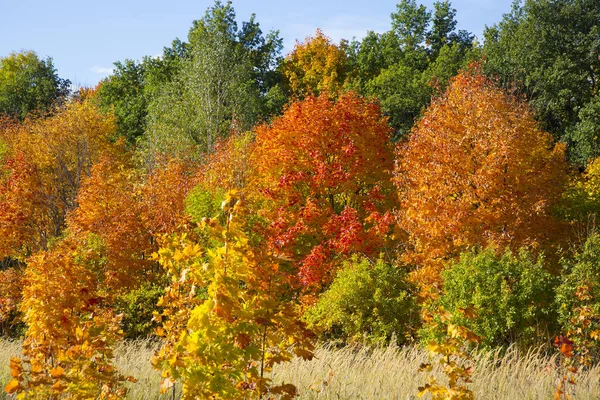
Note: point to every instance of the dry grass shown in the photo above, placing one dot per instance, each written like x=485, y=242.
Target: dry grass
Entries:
x=388, y=373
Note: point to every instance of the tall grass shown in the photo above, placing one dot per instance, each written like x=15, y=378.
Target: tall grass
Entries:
x=362, y=373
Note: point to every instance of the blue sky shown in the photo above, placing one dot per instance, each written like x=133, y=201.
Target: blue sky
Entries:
x=85, y=37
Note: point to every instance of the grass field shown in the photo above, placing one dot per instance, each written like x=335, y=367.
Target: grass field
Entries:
x=388, y=373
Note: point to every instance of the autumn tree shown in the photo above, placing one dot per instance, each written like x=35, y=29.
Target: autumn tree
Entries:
x=222, y=344
x=316, y=65
x=476, y=169
x=106, y=250
x=228, y=168
x=110, y=209
x=46, y=161
x=324, y=169
x=67, y=350
x=163, y=194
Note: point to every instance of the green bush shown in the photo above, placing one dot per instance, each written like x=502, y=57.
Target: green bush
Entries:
x=578, y=295
x=513, y=296
x=137, y=307
x=366, y=303
x=201, y=203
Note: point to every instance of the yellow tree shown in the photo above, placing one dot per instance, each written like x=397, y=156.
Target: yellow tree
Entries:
x=315, y=66
x=222, y=345
x=476, y=169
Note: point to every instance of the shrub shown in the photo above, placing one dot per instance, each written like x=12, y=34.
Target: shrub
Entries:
x=137, y=307
x=367, y=302
x=512, y=296
x=578, y=296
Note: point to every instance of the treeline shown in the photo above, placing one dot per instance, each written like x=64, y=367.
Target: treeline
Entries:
x=412, y=186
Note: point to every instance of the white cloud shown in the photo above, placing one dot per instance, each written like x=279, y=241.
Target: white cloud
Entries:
x=102, y=70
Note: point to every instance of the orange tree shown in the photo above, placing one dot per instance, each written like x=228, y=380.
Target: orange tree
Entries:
x=323, y=170
x=476, y=169
x=163, y=194
x=46, y=161
x=69, y=339
x=70, y=287
x=104, y=253
x=43, y=163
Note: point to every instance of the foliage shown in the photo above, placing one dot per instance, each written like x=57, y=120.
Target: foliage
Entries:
x=476, y=170
x=565, y=347
x=123, y=94
x=323, y=170
x=47, y=161
x=367, y=302
x=29, y=84
x=452, y=357
x=110, y=210
x=581, y=200
x=405, y=66
x=548, y=50
x=201, y=203
x=11, y=284
x=163, y=197
x=315, y=66
x=220, y=86
x=133, y=84
x=403, y=94
x=512, y=293
x=230, y=166
x=222, y=345
x=578, y=300
x=137, y=307
x=68, y=346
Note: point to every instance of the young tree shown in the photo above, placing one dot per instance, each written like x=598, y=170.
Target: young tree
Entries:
x=67, y=350
x=476, y=169
x=109, y=207
x=222, y=345
x=324, y=169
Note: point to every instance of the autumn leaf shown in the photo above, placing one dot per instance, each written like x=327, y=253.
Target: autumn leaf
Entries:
x=12, y=386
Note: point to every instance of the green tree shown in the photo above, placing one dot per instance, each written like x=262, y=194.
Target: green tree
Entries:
x=443, y=29
x=550, y=52
x=402, y=93
x=222, y=85
x=410, y=24
x=405, y=66
x=123, y=94
x=28, y=84
x=134, y=84
x=578, y=297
